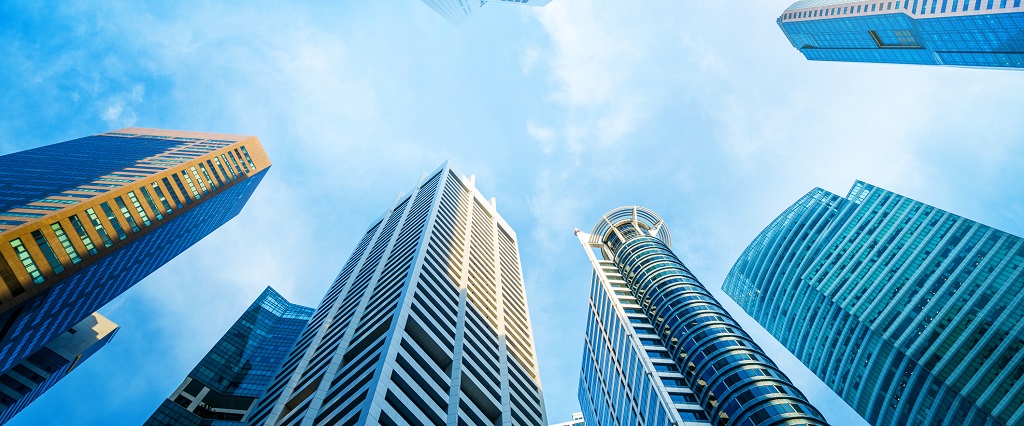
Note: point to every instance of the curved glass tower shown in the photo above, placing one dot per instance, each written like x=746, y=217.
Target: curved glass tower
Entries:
x=659, y=339
x=912, y=314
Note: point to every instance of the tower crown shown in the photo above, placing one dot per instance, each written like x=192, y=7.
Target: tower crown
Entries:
x=628, y=222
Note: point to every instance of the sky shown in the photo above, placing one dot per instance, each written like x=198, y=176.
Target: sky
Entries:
x=700, y=111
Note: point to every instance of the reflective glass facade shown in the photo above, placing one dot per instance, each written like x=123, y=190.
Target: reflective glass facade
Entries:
x=910, y=313
x=427, y=324
x=966, y=33
x=82, y=221
x=660, y=350
x=41, y=370
x=457, y=11
x=222, y=388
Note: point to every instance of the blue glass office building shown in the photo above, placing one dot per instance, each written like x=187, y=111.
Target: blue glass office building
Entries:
x=223, y=387
x=910, y=313
x=965, y=33
x=40, y=371
x=84, y=220
x=660, y=350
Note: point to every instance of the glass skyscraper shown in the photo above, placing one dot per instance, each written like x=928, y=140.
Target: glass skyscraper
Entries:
x=457, y=11
x=84, y=220
x=426, y=324
x=966, y=33
x=224, y=386
x=41, y=370
x=910, y=313
x=660, y=350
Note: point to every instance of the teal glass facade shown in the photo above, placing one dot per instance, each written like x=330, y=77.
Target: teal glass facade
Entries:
x=222, y=388
x=910, y=313
x=965, y=33
x=661, y=350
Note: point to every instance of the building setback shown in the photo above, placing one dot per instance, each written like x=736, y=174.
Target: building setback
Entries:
x=457, y=11
x=427, y=324
x=84, y=220
x=910, y=313
x=41, y=370
x=225, y=384
x=965, y=33
x=660, y=350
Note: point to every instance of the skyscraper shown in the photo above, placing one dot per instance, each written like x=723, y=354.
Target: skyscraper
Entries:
x=225, y=384
x=457, y=11
x=660, y=350
x=426, y=324
x=966, y=33
x=41, y=370
x=84, y=220
x=910, y=313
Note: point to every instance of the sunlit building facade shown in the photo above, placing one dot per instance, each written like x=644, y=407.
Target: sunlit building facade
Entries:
x=41, y=370
x=660, y=350
x=224, y=386
x=910, y=313
x=84, y=220
x=965, y=33
x=426, y=324
x=457, y=11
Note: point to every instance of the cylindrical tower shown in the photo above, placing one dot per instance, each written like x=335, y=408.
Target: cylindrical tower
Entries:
x=733, y=379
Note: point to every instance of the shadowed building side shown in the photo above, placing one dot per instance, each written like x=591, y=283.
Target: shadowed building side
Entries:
x=41, y=370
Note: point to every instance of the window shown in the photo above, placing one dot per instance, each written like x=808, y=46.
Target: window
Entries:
x=192, y=186
x=181, y=186
x=152, y=205
x=113, y=221
x=127, y=215
x=99, y=227
x=233, y=161
x=82, y=235
x=202, y=185
x=248, y=158
x=213, y=170
x=221, y=167
x=65, y=242
x=26, y=260
x=170, y=190
x=44, y=246
x=228, y=165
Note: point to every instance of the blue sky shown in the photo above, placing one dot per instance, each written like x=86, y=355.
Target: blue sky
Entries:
x=700, y=111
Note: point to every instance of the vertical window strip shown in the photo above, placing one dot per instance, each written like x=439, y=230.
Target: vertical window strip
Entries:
x=170, y=190
x=181, y=186
x=248, y=158
x=138, y=207
x=227, y=176
x=83, y=235
x=99, y=227
x=214, y=171
x=26, y=261
x=66, y=243
x=227, y=164
x=202, y=185
x=202, y=168
x=121, y=235
x=44, y=246
x=244, y=166
x=152, y=205
x=191, y=185
x=232, y=156
x=127, y=214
